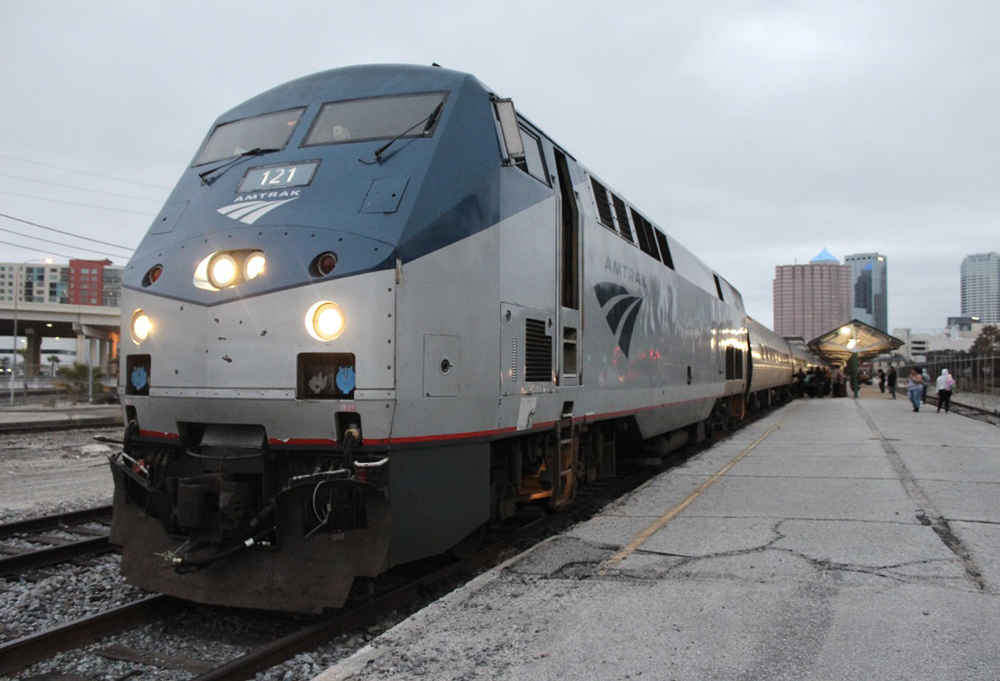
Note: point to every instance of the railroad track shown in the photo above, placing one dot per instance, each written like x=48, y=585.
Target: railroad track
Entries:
x=987, y=415
x=432, y=579
x=49, y=540
x=362, y=611
x=23, y=652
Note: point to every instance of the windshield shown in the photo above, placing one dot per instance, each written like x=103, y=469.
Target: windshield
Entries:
x=270, y=131
x=373, y=119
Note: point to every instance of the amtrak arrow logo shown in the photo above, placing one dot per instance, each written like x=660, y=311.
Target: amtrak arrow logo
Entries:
x=621, y=309
x=250, y=212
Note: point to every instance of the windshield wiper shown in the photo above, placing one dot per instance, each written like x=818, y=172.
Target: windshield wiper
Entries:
x=257, y=151
x=428, y=123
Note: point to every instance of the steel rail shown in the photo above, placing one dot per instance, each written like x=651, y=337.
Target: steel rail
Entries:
x=53, y=555
x=23, y=652
x=30, y=559
x=58, y=521
x=969, y=411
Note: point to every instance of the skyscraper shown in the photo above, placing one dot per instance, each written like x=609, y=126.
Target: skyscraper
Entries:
x=810, y=300
x=981, y=287
x=869, y=277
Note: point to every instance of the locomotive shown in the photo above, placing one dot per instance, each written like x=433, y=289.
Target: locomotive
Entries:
x=381, y=308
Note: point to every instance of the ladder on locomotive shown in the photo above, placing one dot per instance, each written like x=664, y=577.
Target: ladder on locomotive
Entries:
x=567, y=445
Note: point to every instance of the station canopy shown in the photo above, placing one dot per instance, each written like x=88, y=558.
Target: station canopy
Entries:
x=837, y=346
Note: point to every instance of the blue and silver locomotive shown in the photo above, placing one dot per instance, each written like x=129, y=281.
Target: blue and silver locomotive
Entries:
x=380, y=308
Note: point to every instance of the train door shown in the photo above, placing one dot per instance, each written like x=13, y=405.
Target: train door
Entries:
x=529, y=330
x=569, y=280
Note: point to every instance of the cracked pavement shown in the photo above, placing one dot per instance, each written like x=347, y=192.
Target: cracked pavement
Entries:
x=857, y=540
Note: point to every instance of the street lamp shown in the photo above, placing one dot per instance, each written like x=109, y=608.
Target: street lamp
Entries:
x=853, y=363
x=17, y=294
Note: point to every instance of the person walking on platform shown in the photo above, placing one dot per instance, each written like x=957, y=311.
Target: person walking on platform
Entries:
x=915, y=388
x=945, y=384
x=927, y=381
x=838, y=385
x=881, y=381
x=891, y=382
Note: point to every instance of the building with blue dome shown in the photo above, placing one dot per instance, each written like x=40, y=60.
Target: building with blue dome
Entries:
x=824, y=256
x=811, y=299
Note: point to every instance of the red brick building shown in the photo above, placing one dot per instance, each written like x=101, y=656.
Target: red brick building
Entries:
x=86, y=282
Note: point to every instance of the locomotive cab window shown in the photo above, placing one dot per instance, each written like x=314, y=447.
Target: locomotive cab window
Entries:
x=377, y=118
x=269, y=132
x=533, y=163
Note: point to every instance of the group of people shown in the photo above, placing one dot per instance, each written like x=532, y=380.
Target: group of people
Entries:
x=916, y=387
x=817, y=383
x=821, y=382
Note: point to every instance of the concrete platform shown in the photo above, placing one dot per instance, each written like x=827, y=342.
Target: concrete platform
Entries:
x=59, y=416
x=834, y=539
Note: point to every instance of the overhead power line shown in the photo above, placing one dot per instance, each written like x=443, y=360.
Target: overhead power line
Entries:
x=59, y=231
x=117, y=164
x=83, y=189
x=77, y=203
x=60, y=243
x=38, y=250
x=82, y=172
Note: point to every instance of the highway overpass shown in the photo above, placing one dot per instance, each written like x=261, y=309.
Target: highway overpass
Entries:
x=95, y=328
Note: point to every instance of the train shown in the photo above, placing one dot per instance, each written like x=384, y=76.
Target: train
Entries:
x=382, y=308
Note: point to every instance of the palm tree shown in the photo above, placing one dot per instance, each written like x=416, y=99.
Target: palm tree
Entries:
x=75, y=380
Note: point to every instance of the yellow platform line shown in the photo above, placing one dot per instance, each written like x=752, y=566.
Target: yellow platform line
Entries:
x=658, y=524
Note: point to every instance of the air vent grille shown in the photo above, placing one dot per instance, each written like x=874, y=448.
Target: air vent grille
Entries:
x=603, y=206
x=622, y=214
x=513, y=357
x=537, y=352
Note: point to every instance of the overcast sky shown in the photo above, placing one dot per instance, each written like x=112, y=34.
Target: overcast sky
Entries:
x=756, y=133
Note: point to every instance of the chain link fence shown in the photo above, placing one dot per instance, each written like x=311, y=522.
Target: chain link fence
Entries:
x=976, y=379
x=47, y=383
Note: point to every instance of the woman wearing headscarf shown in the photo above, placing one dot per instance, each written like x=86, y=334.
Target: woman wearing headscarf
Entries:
x=945, y=385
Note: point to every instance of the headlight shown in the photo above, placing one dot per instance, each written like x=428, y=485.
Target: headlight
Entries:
x=222, y=270
x=325, y=321
x=140, y=327
x=225, y=269
x=253, y=265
